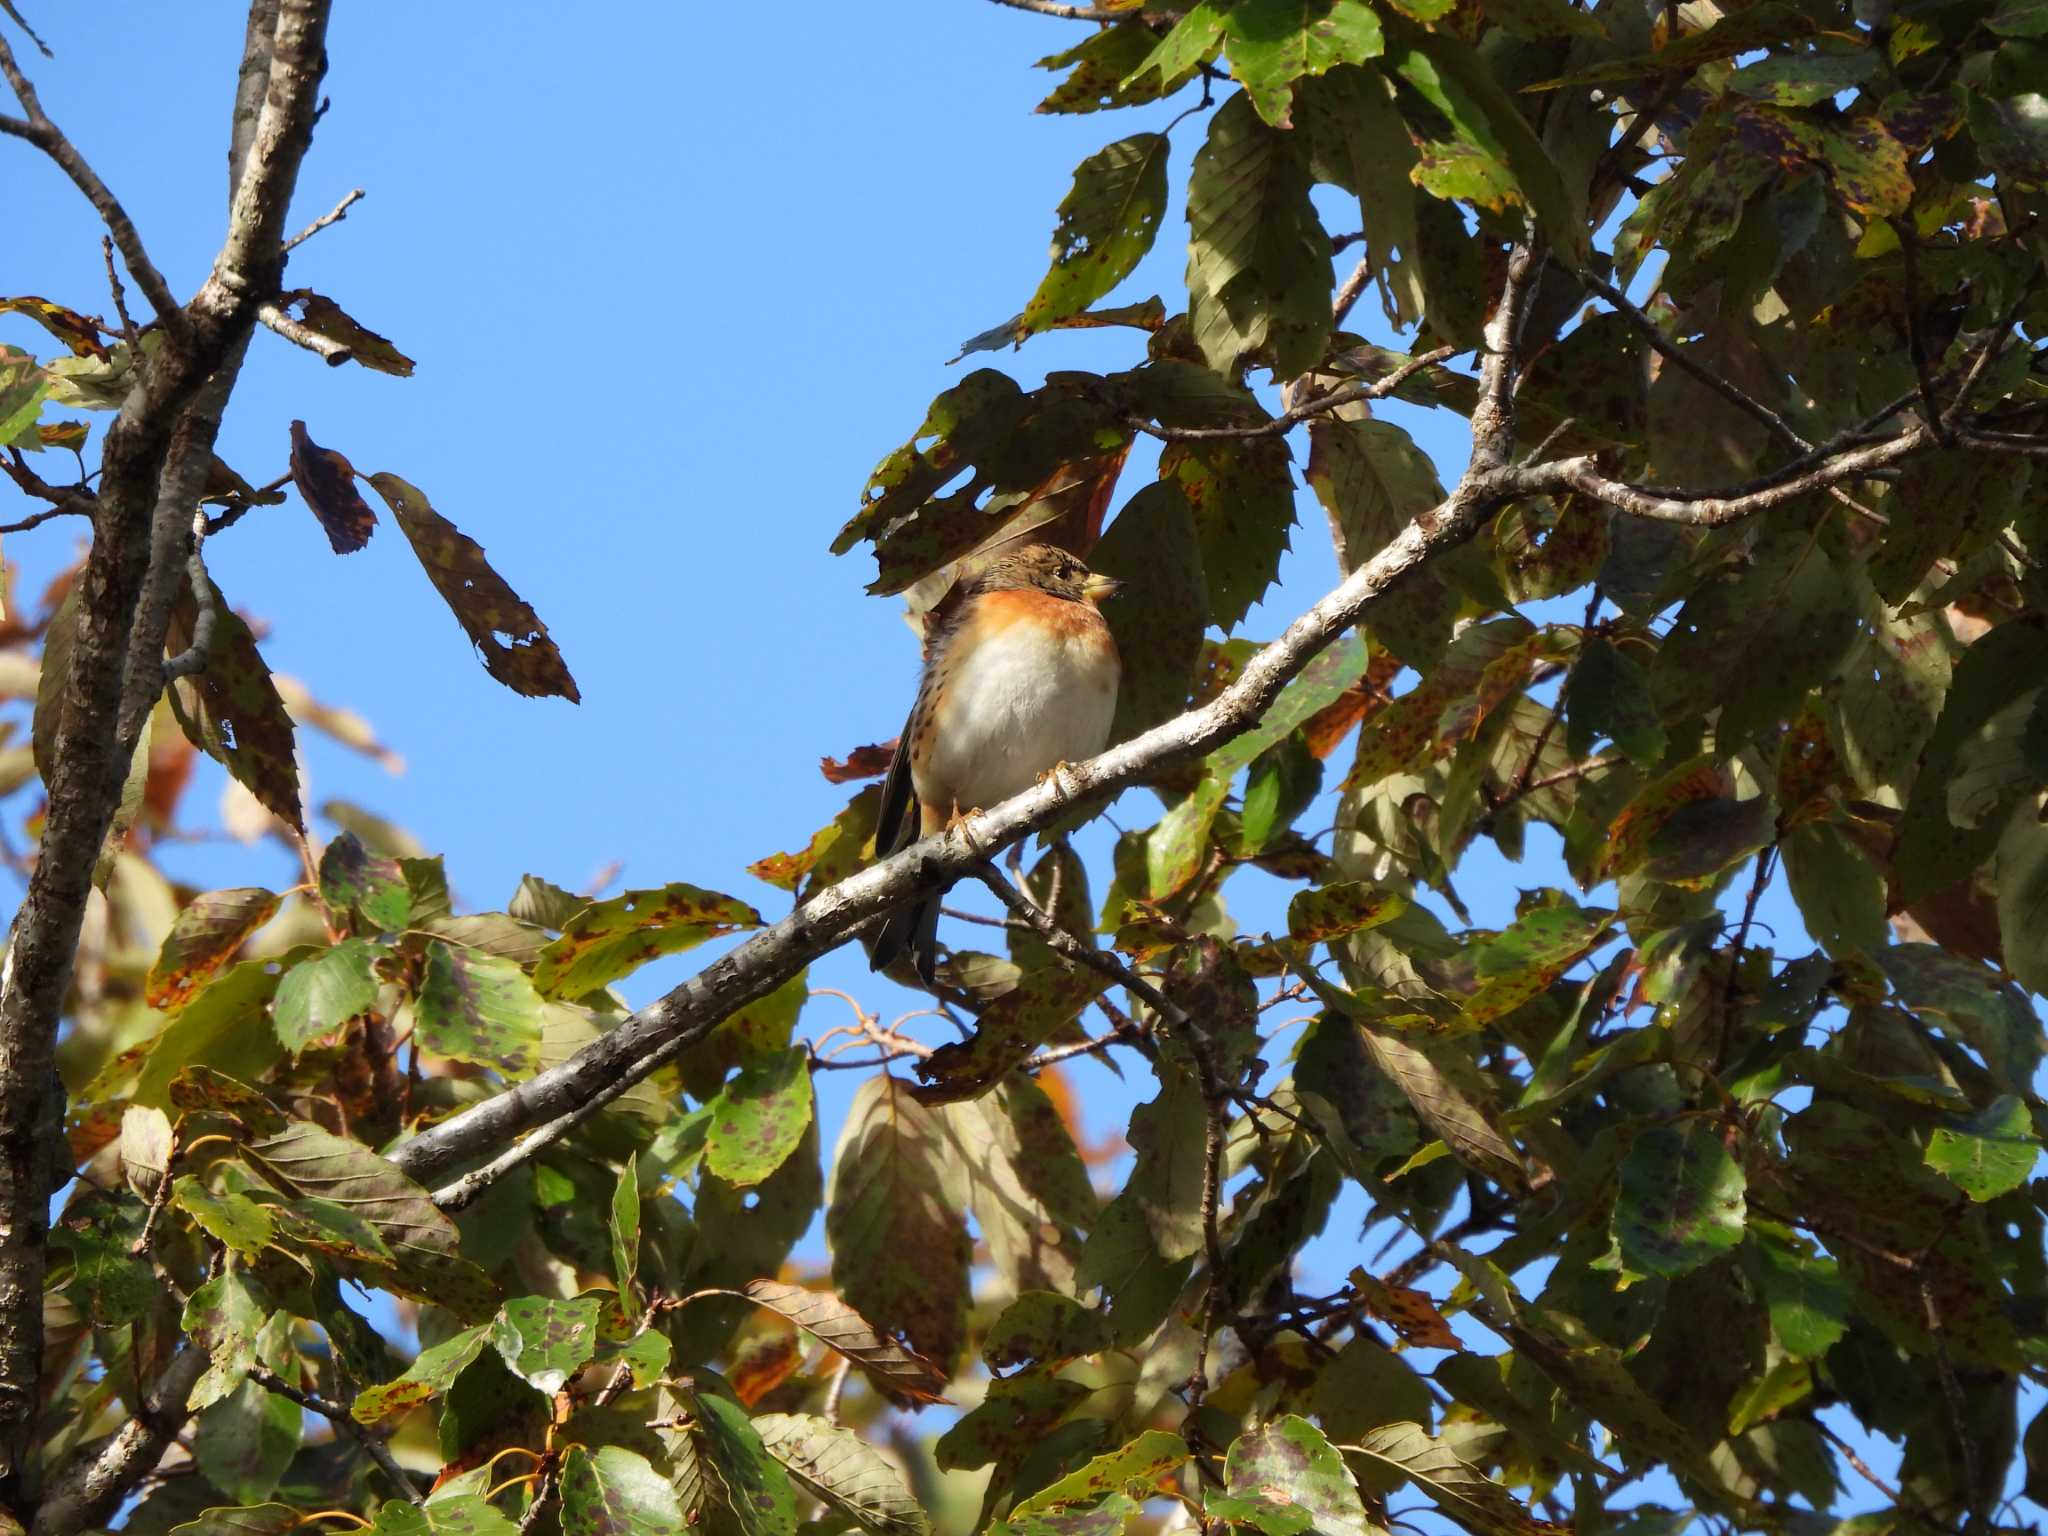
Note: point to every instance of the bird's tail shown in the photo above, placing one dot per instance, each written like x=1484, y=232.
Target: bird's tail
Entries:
x=914, y=927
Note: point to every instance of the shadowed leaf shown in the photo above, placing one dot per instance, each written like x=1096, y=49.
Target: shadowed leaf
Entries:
x=836, y=1466
x=230, y=709
x=326, y=318
x=208, y=932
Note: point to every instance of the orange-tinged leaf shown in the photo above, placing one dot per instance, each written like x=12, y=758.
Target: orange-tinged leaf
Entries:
x=204, y=939
x=764, y=1363
x=67, y=325
x=867, y=762
x=1410, y=1313
x=1628, y=840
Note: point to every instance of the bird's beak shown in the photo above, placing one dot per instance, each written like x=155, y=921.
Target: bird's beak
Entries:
x=1096, y=588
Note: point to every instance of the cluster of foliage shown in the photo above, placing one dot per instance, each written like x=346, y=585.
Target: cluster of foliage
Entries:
x=1776, y=612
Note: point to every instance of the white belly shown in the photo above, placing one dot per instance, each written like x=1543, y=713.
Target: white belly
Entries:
x=1020, y=703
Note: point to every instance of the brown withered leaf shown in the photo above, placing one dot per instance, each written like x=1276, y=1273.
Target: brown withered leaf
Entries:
x=901, y=1372
x=327, y=481
x=67, y=325
x=326, y=317
x=1409, y=1312
x=230, y=710
x=762, y=1364
x=514, y=642
x=861, y=763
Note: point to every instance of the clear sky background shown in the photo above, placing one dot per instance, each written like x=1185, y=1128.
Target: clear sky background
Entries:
x=674, y=283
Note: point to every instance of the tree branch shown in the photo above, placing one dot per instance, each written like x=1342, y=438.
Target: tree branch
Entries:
x=1714, y=511
x=49, y=138
x=142, y=518
x=333, y=215
x=690, y=1011
x=1066, y=12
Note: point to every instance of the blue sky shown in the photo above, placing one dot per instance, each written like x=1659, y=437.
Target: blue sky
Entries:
x=673, y=285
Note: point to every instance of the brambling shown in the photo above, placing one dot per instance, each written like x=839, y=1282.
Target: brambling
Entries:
x=1020, y=676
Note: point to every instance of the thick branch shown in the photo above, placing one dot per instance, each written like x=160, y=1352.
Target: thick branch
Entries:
x=689, y=1012
x=142, y=518
x=299, y=334
x=93, y=1486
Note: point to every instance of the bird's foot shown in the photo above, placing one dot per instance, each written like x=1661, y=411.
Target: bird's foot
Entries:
x=1056, y=776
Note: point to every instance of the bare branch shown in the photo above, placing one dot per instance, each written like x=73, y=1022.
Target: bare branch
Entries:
x=129, y=332
x=1714, y=511
x=299, y=334
x=93, y=1486
x=1347, y=296
x=1065, y=12
x=49, y=138
x=1691, y=366
x=333, y=215
x=1493, y=416
x=68, y=508
x=1287, y=420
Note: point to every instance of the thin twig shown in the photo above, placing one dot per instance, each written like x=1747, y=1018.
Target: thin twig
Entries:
x=1286, y=421
x=1065, y=12
x=78, y=508
x=339, y=1415
x=1916, y=336
x=1348, y=295
x=129, y=333
x=1666, y=348
x=333, y=215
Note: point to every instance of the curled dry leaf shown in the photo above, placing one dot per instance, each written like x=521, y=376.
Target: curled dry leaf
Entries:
x=327, y=481
x=861, y=763
x=896, y=1370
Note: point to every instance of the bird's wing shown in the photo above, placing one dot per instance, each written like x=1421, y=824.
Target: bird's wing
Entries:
x=898, y=822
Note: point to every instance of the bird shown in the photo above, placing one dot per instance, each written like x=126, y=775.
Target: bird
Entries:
x=1020, y=676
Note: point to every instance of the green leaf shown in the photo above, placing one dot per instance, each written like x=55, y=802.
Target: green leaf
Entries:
x=252, y=1520
x=1805, y=1293
x=515, y=645
x=444, y=1514
x=223, y=1318
x=759, y=1118
x=1374, y=481
x=1191, y=40
x=2023, y=897
x=1043, y=1326
x=611, y=1491
x=208, y=932
x=1608, y=695
x=614, y=938
x=234, y=1219
x=1531, y=953
x=1106, y=71
x=1273, y=43
x=1030, y=1191
x=478, y=1008
x=1317, y=686
x=1258, y=260
x=1158, y=615
x=1287, y=1462
x=1990, y=1153
x=896, y=1220
x=543, y=1341
x=1042, y=1003
x=1242, y=494
x=432, y=1372
x=1458, y=1488
x=244, y=1442
x=1454, y=79
x=1107, y=223
x=625, y=1229
x=1126, y=1476
x=320, y=994
x=352, y=879
x=1681, y=1202
x=835, y=1465
x=757, y=1489
x=1841, y=894
x=226, y=1027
